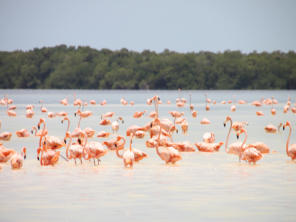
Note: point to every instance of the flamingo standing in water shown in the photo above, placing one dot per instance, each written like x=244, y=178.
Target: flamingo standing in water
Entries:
x=22, y=133
x=74, y=151
x=48, y=156
x=42, y=108
x=234, y=148
x=5, y=135
x=248, y=153
x=290, y=150
x=17, y=159
x=168, y=154
x=128, y=156
x=5, y=154
x=94, y=150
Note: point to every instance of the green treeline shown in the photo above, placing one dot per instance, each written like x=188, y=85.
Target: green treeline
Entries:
x=63, y=67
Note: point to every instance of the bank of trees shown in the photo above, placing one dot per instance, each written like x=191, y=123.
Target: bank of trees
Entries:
x=64, y=67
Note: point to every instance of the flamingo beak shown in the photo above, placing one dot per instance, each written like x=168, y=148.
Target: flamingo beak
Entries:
x=283, y=127
x=65, y=141
x=75, y=114
x=237, y=136
x=38, y=127
x=79, y=141
x=31, y=131
x=62, y=121
x=25, y=156
x=37, y=157
x=224, y=124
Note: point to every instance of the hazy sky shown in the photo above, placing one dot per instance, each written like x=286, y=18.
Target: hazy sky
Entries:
x=182, y=26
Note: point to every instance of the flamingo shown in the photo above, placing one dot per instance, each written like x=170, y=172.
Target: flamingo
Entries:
x=51, y=115
x=103, y=103
x=209, y=137
x=208, y=147
x=205, y=121
x=103, y=134
x=248, y=153
x=17, y=159
x=53, y=142
x=22, y=133
x=64, y=101
x=234, y=148
x=183, y=146
x=48, y=156
x=92, y=102
x=94, y=150
x=29, y=113
x=194, y=113
x=43, y=109
x=5, y=154
x=10, y=113
x=115, y=143
x=129, y=156
x=138, y=154
x=168, y=154
x=259, y=113
x=290, y=150
x=139, y=114
x=107, y=115
x=115, y=125
x=5, y=136
x=74, y=151
x=270, y=128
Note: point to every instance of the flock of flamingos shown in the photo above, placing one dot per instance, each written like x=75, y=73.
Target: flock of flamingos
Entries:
x=79, y=144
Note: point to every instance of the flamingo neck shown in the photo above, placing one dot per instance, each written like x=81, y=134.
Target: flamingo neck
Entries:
x=227, y=138
x=157, y=144
x=245, y=140
x=79, y=122
x=288, y=140
x=118, y=154
x=68, y=146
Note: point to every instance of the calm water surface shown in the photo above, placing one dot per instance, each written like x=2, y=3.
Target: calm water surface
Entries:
x=201, y=187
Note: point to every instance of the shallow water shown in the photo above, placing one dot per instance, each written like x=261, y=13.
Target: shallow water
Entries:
x=202, y=186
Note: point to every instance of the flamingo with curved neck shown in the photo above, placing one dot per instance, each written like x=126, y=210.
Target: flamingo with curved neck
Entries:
x=290, y=150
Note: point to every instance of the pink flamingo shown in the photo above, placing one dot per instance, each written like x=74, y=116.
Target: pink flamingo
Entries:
x=290, y=150
x=5, y=154
x=74, y=151
x=248, y=153
x=168, y=154
x=103, y=134
x=107, y=115
x=22, y=133
x=270, y=128
x=234, y=148
x=48, y=156
x=53, y=142
x=94, y=150
x=64, y=101
x=29, y=113
x=194, y=113
x=259, y=113
x=139, y=114
x=205, y=121
x=5, y=136
x=92, y=102
x=17, y=159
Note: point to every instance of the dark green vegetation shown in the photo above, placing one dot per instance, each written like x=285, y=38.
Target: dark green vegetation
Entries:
x=65, y=67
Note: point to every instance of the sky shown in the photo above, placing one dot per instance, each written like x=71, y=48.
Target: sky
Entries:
x=177, y=25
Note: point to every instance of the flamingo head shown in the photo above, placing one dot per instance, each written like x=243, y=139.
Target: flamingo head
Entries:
x=38, y=152
x=286, y=124
x=24, y=152
x=242, y=130
x=228, y=118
